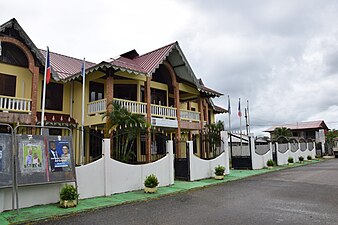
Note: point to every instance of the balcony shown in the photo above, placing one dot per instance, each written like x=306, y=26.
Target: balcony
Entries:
x=13, y=104
x=99, y=107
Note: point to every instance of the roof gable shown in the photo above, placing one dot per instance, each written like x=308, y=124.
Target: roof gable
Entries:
x=320, y=124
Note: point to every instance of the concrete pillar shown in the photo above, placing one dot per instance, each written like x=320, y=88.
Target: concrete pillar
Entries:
x=225, y=148
x=106, y=160
x=170, y=152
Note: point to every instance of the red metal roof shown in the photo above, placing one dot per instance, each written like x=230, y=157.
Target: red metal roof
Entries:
x=65, y=66
x=320, y=124
x=146, y=63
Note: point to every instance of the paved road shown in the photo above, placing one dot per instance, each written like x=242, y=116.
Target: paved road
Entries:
x=303, y=195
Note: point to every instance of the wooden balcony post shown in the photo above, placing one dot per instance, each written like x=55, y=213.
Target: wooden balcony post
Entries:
x=148, y=136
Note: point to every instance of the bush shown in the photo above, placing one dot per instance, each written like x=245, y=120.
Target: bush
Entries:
x=270, y=162
x=290, y=160
x=309, y=157
x=68, y=192
x=219, y=170
x=151, y=181
x=301, y=158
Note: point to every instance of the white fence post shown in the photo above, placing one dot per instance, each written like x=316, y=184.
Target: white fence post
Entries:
x=170, y=152
x=225, y=144
x=106, y=157
x=190, y=145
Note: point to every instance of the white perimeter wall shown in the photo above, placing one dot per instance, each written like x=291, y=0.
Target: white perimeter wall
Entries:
x=100, y=178
x=201, y=168
x=259, y=161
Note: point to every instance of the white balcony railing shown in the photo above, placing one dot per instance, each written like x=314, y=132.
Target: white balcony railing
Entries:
x=132, y=106
x=163, y=111
x=189, y=115
x=13, y=104
x=97, y=107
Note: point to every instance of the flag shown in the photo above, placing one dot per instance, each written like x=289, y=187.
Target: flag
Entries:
x=239, y=108
x=229, y=106
x=48, y=68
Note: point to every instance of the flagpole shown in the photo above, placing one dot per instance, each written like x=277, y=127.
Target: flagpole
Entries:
x=229, y=113
x=240, y=121
x=44, y=91
x=83, y=102
x=247, y=102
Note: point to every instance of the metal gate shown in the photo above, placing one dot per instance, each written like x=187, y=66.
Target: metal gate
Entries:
x=274, y=152
x=241, y=157
x=181, y=162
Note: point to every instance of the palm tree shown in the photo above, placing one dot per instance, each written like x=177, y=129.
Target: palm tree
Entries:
x=123, y=127
x=213, y=136
x=281, y=132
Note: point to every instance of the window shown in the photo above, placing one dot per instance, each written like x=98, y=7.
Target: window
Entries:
x=125, y=91
x=7, y=85
x=96, y=91
x=54, y=96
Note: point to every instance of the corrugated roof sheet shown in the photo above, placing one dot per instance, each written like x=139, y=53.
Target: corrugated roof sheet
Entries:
x=320, y=124
x=146, y=63
x=65, y=66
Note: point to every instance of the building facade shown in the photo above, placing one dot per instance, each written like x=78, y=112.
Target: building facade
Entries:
x=160, y=85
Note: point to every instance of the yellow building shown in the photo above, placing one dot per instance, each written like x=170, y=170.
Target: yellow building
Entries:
x=159, y=85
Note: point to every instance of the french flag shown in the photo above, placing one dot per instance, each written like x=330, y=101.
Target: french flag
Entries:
x=239, y=108
x=48, y=68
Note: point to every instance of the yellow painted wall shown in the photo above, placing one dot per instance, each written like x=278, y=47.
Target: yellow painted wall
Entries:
x=23, y=79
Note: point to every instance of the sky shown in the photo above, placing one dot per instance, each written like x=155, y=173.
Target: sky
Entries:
x=280, y=55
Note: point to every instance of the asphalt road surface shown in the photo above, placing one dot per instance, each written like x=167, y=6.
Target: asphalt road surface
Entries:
x=302, y=195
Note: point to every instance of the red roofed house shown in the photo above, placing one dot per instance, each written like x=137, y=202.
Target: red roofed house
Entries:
x=160, y=85
x=315, y=130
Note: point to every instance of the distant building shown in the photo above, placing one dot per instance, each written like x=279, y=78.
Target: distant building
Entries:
x=308, y=130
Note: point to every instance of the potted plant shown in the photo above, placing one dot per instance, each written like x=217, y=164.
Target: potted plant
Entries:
x=290, y=160
x=219, y=172
x=301, y=159
x=270, y=163
x=68, y=196
x=309, y=157
x=150, y=184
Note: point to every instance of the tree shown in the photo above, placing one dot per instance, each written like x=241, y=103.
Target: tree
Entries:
x=330, y=136
x=123, y=128
x=281, y=132
x=213, y=136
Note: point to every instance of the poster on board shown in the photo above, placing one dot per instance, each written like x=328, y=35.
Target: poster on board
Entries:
x=59, y=156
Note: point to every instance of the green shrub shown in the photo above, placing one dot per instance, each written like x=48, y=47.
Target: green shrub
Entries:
x=290, y=160
x=151, y=181
x=219, y=170
x=301, y=158
x=68, y=192
x=270, y=162
x=309, y=157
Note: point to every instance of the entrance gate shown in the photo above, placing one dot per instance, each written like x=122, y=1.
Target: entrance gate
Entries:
x=181, y=162
x=240, y=149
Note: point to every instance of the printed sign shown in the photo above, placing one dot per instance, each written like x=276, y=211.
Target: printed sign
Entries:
x=59, y=156
x=32, y=156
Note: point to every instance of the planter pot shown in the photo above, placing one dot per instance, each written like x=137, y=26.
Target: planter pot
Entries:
x=290, y=164
x=150, y=190
x=219, y=177
x=68, y=203
x=270, y=167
